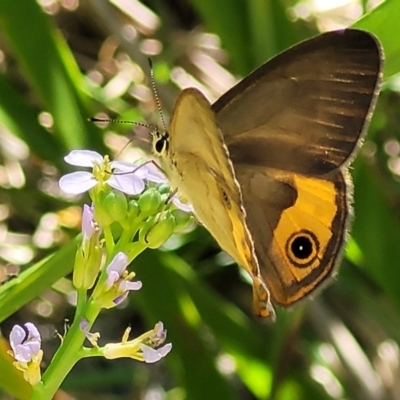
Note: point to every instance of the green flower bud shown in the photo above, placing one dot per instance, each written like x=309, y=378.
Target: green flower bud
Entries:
x=88, y=260
x=150, y=202
x=182, y=220
x=133, y=209
x=116, y=205
x=164, y=188
x=155, y=233
x=87, y=267
x=101, y=215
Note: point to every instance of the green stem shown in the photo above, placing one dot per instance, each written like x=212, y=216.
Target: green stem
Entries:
x=81, y=301
x=135, y=249
x=127, y=235
x=67, y=355
x=109, y=239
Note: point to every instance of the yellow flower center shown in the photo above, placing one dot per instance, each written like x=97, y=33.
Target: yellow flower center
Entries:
x=102, y=172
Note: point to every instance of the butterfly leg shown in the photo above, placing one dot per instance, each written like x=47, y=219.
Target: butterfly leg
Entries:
x=261, y=300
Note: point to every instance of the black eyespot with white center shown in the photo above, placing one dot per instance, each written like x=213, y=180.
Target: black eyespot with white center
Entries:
x=302, y=248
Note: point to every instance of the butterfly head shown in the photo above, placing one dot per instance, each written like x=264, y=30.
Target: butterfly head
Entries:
x=160, y=141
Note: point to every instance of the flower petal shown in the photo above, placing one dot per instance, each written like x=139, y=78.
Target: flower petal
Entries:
x=146, y=171
x=127, y=183
x=83, y=158
x=153, y=355
x=118, y=263
x=112, y=277
x=165, y=349
x=118, y=300
x=122, y=166
x=88, y=224
x=17, y=335
x=153, y=174
x=186, y=207
x=25, y=343
x=159, y=332
x=128, y=285
x=92, y=337
x=77, y=182
x=23, y=353
x=150, y=355
x=33, y=333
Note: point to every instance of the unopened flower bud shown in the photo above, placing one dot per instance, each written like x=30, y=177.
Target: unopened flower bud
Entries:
x=164, y=188
x=182, y=220
x=116, y=205
x=87, y=267
x=88, y=255
x=101, y=214
x=155, y=232
x=150, y=202
x=133, y=209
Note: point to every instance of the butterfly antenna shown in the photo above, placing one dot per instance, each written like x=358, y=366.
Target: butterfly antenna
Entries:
x=120, y=121
x=153, y=86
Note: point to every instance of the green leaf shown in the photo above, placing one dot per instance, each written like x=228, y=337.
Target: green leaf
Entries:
x=375, y=231
x=383, y=22
x=11, y=380
x=22, y=120
x=48, y=65
x=37, y=278
x=167, y=297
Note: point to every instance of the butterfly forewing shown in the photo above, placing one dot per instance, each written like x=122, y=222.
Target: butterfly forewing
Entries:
x=198, y=165
x=304, y=110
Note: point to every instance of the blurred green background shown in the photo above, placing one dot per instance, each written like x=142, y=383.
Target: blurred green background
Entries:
x=62, y=61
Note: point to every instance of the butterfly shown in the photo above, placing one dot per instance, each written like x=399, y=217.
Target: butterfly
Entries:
x=266, y=167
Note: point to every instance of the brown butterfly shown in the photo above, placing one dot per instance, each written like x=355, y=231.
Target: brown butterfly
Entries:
x=266, y=166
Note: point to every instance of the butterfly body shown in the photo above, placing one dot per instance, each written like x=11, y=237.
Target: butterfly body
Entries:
x=266, y=166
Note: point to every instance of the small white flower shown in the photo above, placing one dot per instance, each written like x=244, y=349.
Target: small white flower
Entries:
x=118, y=283
x=116, y=271
x=123, y=176
x=144, y=348
x=25, y=343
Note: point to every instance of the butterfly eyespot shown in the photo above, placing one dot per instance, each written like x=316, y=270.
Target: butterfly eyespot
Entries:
x=302, y=248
